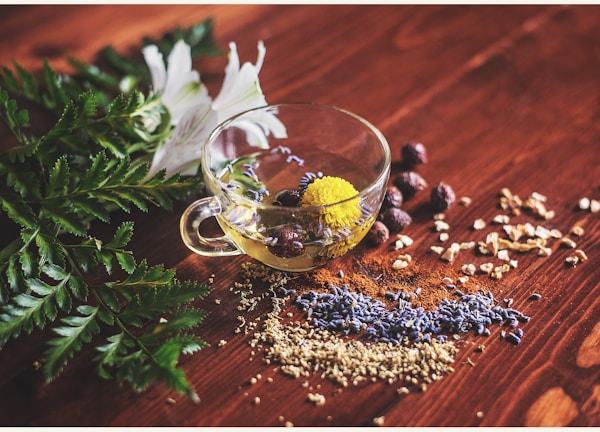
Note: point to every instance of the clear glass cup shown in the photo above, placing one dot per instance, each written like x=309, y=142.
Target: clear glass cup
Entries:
x=245, y=180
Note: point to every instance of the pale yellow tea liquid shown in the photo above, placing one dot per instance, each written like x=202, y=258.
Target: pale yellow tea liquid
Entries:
x=255, y=226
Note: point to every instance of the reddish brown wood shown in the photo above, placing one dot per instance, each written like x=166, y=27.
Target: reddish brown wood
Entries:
x=502, y=96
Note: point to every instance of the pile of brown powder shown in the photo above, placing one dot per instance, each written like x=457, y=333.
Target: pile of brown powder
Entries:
x=374, y=276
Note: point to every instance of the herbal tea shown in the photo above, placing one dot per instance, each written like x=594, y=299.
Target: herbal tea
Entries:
x=322, y=215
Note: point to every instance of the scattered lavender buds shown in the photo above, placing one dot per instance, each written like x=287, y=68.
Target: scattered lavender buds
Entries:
x=392, y=198
x=442, y=197
x=395, y=219
x=414, y=153
x=378, y=234
x=345, y=311
x=409, y=183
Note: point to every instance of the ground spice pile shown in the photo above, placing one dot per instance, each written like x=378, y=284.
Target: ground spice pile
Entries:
x=373, y=275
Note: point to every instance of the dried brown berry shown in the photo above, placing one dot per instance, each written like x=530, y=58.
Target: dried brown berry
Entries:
x=414, y=153
x=378, y=234
x=285, y=242
x=287, y=198
x=409, y=183
x=392, y=198
x=442, y=197
x=395, y=219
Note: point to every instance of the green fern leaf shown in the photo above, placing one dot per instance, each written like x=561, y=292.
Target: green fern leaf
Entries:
x=25, y=183
x=88, y=204
x=110, y=353
x=59, y=178
x=71, y=337
x=49, y=249
x=56, y=97
x=30, y=87
x=179, y=320
x=78, y=287
x=96, y=174
x=122, y=236
x=61, y=214
x=19, y=211
x=189, y=344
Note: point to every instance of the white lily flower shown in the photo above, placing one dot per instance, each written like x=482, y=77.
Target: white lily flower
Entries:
x=240, y=92
x=197, y=116
x=179, y=84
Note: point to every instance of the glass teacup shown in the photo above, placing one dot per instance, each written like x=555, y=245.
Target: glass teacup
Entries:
x=293, y=200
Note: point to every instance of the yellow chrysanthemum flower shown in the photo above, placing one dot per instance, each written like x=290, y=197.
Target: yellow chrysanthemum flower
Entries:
x=330, y=190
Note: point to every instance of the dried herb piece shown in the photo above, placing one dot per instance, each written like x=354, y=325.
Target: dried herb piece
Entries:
x=414, y=153
x=392, y=198
x=395, y=219
x=409, y=183
x=442, y=197
x=378, y=234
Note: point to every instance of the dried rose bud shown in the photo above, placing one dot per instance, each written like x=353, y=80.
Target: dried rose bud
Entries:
x=395, y=219
x=286, y=243
x=442, y=197
x=393, y=197
x=378, y=234
x=414, y=153
x=409, y=183
x=287, y=198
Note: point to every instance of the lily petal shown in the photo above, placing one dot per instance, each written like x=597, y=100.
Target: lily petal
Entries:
x=156, y=65
x=182, y=150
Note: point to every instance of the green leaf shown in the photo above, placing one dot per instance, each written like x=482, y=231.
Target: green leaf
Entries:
x=71, y=337
x=89, y=204
x=61, y=214
x=30, y=86
x=179, y=320
x=49, y=249
x=24, y=182
x=78, y=287
x=110, y=353
x=59, y=178
x=19, y=211
x=122, y=236
x=126, y=261
x=95, y=175
x=57, y=97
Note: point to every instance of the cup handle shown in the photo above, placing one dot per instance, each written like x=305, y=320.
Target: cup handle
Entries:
x=189, y=226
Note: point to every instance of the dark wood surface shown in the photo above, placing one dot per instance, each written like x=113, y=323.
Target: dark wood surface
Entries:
x=502, y=96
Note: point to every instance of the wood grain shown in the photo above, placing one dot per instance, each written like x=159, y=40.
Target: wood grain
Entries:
x=502, y=96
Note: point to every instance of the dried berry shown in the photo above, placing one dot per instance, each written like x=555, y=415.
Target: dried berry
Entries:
x=395, y=219
x=442, y=197
x=409, y=183
x=287, y=198
x=378, y=234
x=285, y=242
x=393, y=197
x=414, y=153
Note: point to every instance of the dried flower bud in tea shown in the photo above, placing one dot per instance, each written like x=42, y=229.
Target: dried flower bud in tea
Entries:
x=287, y=243
x=287, y=198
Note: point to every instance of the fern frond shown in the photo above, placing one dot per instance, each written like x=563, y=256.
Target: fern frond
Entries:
x=77, y=330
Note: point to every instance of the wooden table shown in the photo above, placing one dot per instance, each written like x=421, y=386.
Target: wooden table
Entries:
x=502, y=96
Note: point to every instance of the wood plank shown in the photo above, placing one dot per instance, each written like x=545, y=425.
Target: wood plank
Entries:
x=502, y=96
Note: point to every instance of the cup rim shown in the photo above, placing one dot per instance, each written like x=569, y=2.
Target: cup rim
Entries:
x=382, y=176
